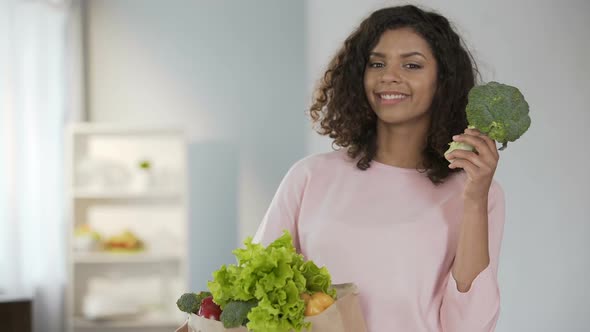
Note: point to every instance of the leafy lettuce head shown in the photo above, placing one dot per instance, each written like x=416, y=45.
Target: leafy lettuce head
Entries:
x=275, y=276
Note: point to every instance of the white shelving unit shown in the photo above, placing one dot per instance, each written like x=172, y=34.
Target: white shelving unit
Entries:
x=109, y=192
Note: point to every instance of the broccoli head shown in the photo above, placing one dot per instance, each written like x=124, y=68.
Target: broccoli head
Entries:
x=235, y=313
x=497, y=110
x=191, y=302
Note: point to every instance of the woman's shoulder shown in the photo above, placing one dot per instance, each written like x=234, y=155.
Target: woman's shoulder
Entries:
x=314, y=166
x=324, y=161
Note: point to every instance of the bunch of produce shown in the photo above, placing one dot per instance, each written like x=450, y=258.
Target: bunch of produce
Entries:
x=269, y=289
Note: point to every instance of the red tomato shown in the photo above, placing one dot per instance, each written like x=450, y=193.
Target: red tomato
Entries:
x=209, y=309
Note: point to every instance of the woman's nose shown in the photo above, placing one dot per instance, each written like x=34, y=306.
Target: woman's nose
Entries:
x=390, y=74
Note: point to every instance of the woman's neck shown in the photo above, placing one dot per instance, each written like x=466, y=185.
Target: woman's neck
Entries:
x=402, y=145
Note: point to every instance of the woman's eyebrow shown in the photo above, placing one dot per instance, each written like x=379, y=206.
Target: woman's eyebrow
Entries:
x=404, y=55
x=409, y=54
x=377, y=54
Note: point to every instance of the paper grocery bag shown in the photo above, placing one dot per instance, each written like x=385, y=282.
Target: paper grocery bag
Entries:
x=344, y=315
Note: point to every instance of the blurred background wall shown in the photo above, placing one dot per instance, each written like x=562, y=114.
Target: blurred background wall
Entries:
x=232, y=73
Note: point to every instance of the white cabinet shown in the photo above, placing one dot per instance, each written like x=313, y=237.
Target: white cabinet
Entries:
x=125, y=179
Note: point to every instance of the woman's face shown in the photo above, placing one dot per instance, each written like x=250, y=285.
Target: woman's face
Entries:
x=400, y=77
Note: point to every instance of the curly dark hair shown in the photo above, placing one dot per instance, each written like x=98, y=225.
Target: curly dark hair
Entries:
x=340, y=105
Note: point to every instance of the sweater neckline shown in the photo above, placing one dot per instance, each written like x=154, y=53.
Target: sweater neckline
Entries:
x=379, y=165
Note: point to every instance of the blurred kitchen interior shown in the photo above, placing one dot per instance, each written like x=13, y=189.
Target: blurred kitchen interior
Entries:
x=223, y=81
x=141, y=141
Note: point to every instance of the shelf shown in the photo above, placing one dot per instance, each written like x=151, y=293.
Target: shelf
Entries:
x=108, y=196
x=122, y=195
x=110, y=258
x=120, y=129
x=147, y=321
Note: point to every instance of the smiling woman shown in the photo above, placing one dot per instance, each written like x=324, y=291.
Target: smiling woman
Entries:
x=426, y=236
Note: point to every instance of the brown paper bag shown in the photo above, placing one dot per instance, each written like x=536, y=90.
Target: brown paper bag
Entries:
x=344, y=315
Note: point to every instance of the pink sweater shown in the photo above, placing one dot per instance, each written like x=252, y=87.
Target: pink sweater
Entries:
x=394, y=234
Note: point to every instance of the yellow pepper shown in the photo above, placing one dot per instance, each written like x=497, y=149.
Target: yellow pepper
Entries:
x=315, y=304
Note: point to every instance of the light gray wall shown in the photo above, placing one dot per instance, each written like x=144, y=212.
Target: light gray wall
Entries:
x=231, y=73
x=543, y=48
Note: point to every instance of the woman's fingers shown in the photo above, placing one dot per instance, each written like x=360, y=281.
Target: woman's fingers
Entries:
x=479, y=142
x=467, y=165
x=490, y=142
x=466, y=155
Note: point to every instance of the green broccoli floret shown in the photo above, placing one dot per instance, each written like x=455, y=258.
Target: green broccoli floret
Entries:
x=191, y=302
x=235, y=313
x=497, y=110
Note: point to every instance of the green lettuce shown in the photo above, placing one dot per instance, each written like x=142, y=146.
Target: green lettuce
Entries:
x=275, y=276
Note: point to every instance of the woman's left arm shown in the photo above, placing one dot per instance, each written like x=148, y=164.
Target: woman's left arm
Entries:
x=472, y=298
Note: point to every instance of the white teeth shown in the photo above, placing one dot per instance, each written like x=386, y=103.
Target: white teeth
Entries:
x=393, y=96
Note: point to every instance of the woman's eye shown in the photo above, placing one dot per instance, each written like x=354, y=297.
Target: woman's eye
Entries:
x=376, y=65
x=413, y=66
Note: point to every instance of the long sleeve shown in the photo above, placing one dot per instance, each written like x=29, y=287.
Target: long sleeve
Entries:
x=283, y=212
x=478, y=309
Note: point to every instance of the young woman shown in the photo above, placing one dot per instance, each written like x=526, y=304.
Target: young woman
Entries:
x=419, y=236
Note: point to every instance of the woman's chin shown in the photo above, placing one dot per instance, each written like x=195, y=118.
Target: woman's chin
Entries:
x=389, y=117
x=398, y=118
